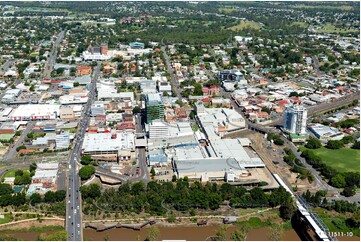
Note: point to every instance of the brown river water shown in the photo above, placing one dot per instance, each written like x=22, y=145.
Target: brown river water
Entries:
x=171, y=233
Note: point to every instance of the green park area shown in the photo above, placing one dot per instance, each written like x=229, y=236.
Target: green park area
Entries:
x=329, y=28
x=300, y=24
x=246, y=25
x=343, y=160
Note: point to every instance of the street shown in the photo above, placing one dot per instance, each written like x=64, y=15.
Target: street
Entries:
x=74, y=212
x=52, y=56
x=173, y=79
x=11, y=153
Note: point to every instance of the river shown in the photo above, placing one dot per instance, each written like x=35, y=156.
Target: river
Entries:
x=170, y=233
x=181, y=233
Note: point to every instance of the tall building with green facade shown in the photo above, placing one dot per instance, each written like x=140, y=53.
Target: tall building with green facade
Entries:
x=154, y=107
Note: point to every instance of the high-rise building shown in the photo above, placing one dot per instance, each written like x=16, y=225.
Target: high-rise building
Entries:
x=154, y=107
x=295, y=119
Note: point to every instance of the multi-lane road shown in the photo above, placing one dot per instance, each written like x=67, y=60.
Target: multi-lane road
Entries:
x=74, y=214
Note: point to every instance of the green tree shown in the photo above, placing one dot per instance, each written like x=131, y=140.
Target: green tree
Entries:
x=313, y=143
x=240, y=234
x=32, y=167
x=153, y=234
x=334, y=144
x=221, y=233
x=85, y=160
x=287, y=209
x=347, y=139
x=86, y=172
x=152, y=171
x=75, y=84
x=35, y=198
x=338, y=181
x=136, y=109
x=5, y=189
x=349, y=191
x=19, y=173
x=276, y=232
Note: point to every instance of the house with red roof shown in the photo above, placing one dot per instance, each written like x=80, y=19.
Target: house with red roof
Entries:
x=84, y=70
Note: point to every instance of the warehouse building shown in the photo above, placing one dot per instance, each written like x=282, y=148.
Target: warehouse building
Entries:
x=36, y=112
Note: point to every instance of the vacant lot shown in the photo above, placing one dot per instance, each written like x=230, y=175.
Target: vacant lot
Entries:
x=342, y=160
x=245, y=25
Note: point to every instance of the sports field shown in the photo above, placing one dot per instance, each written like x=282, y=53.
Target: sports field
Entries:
x=342, y=160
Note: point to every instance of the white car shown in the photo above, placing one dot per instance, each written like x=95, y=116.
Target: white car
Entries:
x=69, y=201
x=74, y=211
x=78, y=225
x=69, y=216
x=77, y=207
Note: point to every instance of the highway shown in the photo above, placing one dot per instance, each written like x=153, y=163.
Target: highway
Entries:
x=52, y=56
x=74, y=214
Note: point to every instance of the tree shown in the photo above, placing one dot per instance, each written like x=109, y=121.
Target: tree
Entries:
x=240, y=234
x=86, y=172
x=174, y=178
x=85, y=160
x=352, y=179
x=334, y=144
x=313, y=143
x=153, y=234
x=22, y=147
x=19, y=172
x=349, y=191
x=136, y=109
x=35, y=198
x=60, y=195
x=49, y=197
x=5, y=189
x=152, y=171
x=32, y=167
x=287, y=209
x=57, y=236
x=76, y=84
x=276, y=232
x=338, y=181
x=221, y=233
x=90, y=191
x=293, y=94
x=347, y=139
x=356, y=145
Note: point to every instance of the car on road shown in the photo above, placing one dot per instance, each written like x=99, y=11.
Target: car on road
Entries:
x=69, y=217
x=74, y=211
x=78, y=225
x=77, y=207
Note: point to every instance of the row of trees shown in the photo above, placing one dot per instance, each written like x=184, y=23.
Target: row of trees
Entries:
x=348, y=180
x=297, y=166
x=158, y=198
x=277, y=140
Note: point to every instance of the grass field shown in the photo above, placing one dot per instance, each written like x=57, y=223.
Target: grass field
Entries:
x=329, y=28
x=342, y=7
x=342, y=160
x=301, y=24
x=10, y=173
x=227, y=9
x=4, y=220
x=245, y=24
